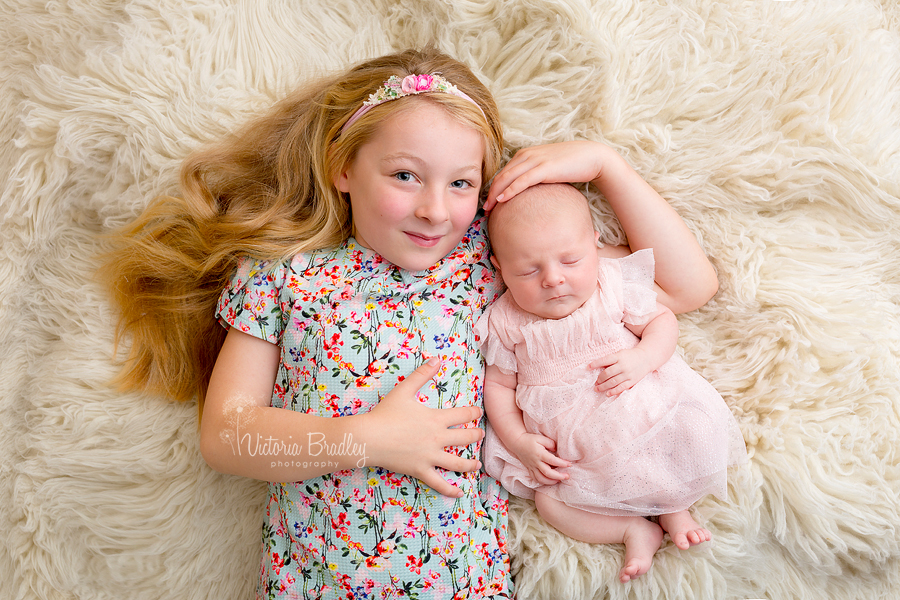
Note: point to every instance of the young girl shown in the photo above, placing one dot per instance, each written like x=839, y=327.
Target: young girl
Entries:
x=648, y=437
x=342, y=228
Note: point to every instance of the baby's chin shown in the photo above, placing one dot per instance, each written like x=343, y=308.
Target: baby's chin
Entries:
x=555, y=315
x=555, y=309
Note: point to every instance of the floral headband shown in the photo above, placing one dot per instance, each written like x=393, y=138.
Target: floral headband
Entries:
x=410, y=85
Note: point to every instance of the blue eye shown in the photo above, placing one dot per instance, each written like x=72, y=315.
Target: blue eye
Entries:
x=403, y=176
x=461, y=184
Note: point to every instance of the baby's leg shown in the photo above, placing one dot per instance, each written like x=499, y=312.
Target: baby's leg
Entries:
x=684, y=530
x=640, y=536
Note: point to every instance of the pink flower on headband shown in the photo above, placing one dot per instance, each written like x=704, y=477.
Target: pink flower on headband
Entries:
x=416, y=83
x=395, y=88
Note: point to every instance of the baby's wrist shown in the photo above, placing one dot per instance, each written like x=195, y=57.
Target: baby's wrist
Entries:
x=521, y=441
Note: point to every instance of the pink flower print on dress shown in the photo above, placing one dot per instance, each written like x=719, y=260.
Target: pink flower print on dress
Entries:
x=414, y=564
x=385, y=548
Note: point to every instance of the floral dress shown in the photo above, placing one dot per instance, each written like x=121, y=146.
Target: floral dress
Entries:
x=350, y=325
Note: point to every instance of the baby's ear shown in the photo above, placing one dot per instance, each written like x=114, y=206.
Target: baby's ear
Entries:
x=495, y=263
x=596, y=236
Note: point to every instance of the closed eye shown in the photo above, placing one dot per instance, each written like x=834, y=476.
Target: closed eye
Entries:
x=571, y=259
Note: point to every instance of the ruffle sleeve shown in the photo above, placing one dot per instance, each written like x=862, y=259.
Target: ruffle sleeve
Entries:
x=638, y=297
x=252, y=300
x=491, y=333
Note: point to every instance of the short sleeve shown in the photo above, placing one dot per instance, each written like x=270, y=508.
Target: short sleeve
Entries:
x=490, y=331
x=638, y=297
x=252, y=300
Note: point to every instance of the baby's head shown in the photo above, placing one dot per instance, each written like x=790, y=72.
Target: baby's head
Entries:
x=545, y=247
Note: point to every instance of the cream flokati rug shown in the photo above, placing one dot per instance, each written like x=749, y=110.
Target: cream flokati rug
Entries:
x=772, y=127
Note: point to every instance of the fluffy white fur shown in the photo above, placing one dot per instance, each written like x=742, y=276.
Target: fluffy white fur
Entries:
x=772, y=127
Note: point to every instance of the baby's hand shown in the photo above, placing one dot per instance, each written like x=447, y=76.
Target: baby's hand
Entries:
x=537, y=453
x=620, y=371
x=565, y=162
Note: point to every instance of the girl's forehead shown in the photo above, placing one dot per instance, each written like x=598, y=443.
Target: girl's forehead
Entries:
x=415, y=119
x=428, y=131
x=418, y=113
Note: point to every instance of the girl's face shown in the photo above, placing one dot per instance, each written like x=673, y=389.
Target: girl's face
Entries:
x=414, y=186
x=550, y=269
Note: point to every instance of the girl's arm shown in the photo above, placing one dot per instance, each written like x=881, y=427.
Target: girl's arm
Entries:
x=536, y=452
x=242, y=434
x=622, y=370
x=685, y=276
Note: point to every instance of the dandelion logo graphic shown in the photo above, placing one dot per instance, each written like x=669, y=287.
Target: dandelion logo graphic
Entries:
x=238, y=414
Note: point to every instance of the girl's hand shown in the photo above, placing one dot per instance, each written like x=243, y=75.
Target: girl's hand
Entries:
x=565, y=162
x=405, y=436
x=537, y=453
x=620, y=371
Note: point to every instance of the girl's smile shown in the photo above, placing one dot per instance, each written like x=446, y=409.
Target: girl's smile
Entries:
x=424, y=241
x=414, y=186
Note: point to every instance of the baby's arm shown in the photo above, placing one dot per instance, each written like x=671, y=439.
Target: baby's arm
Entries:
x=623, y=369
x=685, y=276
x=242, y=434
x=535, y=451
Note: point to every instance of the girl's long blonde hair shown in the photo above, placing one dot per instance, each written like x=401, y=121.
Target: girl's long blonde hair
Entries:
x=266, y=191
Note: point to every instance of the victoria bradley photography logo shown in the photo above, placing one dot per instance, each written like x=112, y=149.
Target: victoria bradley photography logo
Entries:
x=314, y=451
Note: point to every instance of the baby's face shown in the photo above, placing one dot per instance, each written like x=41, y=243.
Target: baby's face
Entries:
x=550, y=269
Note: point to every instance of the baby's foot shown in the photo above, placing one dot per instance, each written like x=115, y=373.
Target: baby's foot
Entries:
x=684, y=530
x=642, y=540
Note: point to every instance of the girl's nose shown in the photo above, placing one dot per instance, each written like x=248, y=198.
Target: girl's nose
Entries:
x=432, y=207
